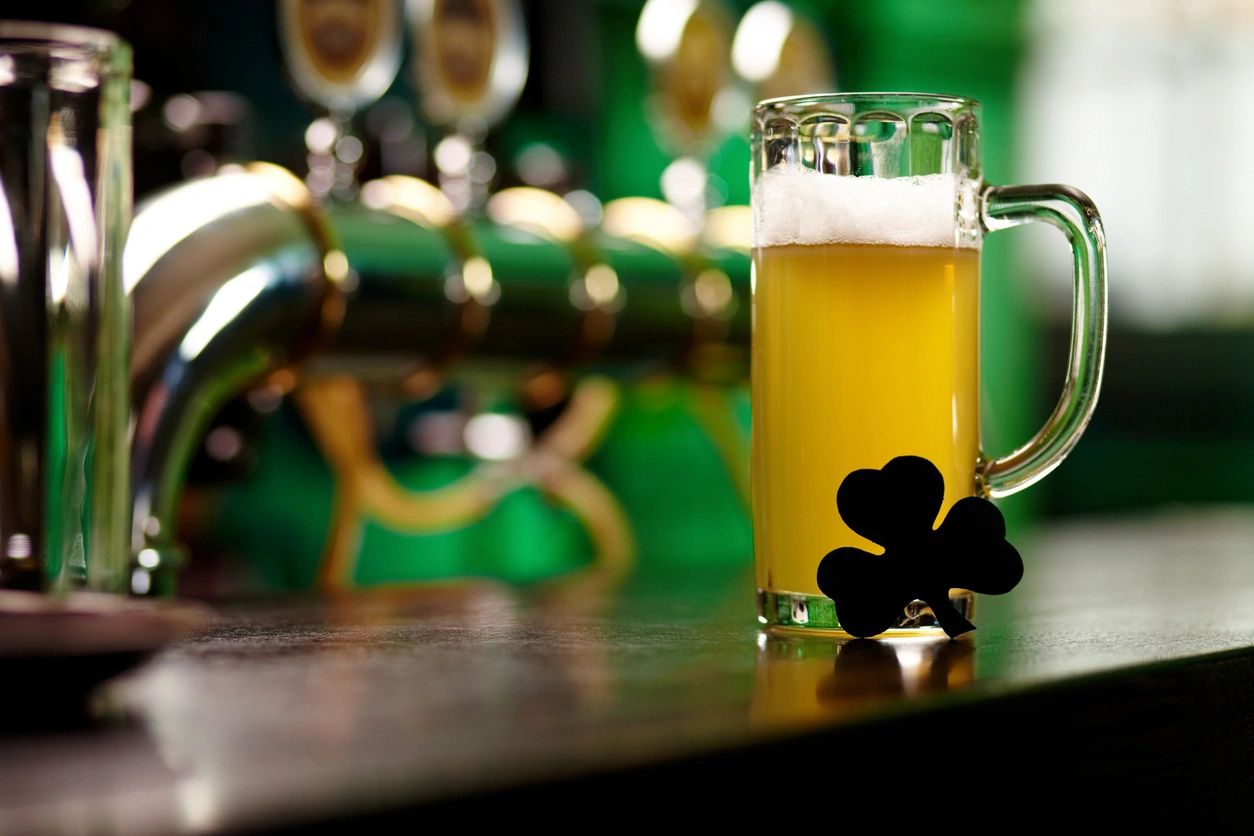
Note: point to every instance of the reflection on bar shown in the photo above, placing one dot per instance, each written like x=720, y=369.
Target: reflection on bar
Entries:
x=803, y=681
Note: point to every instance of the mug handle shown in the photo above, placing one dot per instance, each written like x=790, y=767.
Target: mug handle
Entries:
x=1071, y=211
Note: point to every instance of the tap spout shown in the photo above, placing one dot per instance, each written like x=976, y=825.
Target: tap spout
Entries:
x=232, y=278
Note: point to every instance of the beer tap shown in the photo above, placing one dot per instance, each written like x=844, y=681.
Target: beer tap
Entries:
x=235, y=278
x=470, y=68
x=340, y=57
x=254, y=280
x=705, y=79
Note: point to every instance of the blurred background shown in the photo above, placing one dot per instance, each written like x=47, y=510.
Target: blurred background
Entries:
x=1136, y=103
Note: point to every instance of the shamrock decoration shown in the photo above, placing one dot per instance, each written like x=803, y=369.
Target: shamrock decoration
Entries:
x=895, y=507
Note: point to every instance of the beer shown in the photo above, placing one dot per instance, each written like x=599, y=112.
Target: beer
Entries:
x=865, y=347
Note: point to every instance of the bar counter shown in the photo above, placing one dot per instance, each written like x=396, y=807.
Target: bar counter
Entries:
x=1118, y=671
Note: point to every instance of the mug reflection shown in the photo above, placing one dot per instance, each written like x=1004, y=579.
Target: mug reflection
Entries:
x=801, y=680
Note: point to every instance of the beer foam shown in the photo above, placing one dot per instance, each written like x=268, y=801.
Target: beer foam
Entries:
x=795, y=205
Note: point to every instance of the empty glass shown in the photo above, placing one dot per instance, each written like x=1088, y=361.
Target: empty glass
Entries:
x=65, y=192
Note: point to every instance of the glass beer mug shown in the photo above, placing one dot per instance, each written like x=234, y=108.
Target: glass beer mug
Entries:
x=868, y=215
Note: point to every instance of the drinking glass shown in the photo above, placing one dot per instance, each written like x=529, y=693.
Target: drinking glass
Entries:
x=868, y=215
x=65, y=192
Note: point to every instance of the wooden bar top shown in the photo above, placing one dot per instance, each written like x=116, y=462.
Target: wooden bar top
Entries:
x=1121, y=669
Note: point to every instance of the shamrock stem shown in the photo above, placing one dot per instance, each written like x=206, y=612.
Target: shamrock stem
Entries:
x=950, y=621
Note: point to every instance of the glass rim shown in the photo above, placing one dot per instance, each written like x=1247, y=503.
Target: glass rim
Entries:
x=61, y=34
x=887, y=97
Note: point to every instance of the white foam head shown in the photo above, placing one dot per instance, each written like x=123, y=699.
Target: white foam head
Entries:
x=795, y=205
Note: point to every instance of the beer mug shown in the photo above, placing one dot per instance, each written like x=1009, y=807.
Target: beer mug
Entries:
x=868, y=215
x=65, y=191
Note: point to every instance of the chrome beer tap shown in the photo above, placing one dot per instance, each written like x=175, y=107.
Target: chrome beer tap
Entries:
x=328, y=291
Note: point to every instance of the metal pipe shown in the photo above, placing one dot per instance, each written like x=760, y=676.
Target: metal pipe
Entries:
x=237, y=278
x=228, y=277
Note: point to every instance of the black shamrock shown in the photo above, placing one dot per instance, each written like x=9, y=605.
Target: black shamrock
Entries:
x=895, y=507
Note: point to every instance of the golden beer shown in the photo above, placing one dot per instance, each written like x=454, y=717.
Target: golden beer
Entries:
x=861, y=353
